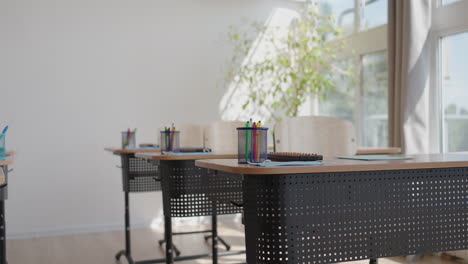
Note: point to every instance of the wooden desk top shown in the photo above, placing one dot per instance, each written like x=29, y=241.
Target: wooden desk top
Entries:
x=130, y=151
x=360, y=151
x=343, y=165
x=9, y=159
x=159, y=156
x=378, y=151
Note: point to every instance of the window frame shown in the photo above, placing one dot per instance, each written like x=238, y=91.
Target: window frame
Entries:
x=359, y=43
x=446, y=20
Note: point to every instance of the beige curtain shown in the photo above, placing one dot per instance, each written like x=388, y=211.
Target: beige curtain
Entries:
x=409, y=23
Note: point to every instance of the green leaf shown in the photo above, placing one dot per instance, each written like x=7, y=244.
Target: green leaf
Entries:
x=244, y=106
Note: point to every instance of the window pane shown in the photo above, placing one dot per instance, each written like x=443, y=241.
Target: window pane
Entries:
x=373, y=101
x=447, y=2
x=455, y=92
x=341, y=101
x=342, y=11
x=375, y=13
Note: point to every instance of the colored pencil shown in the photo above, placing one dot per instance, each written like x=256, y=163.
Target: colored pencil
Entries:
x=169, y=146
x=246, y=150
x=258, y=133
x=254, y=142
x=165, y=138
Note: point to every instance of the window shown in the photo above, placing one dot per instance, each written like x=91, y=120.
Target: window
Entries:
x=447, y=2
x=342, y=12
x=449, y=81
x=340, y=102
x=454, y=86
x=373, y=102
x=363, y=102
x=375, y=14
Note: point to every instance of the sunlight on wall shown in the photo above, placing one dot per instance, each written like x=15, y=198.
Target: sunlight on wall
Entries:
x=236, y=95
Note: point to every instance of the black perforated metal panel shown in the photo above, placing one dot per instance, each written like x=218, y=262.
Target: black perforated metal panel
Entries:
x=4, y=190
x=335, y=217
x=139, y=175
x=190, y=191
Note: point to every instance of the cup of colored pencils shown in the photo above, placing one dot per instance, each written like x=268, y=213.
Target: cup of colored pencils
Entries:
x=252, y=143
x=129, y=139
x=170, y=140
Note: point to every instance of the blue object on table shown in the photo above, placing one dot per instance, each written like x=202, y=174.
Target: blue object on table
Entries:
x=287, y=163
x=374, y=157
x=142, y=148
x=2, y=147
x=187, y=153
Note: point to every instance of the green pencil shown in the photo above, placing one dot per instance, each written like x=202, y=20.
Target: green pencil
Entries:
x=247, y=136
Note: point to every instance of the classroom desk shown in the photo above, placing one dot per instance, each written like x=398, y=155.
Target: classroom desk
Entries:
x=3, y=196
x=346, y=210
x=137, y=176
x=191, y=191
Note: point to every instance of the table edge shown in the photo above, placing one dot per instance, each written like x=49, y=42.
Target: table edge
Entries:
x=185, y=157
x=328, y=169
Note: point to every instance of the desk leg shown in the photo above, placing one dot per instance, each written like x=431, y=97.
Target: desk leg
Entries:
x=128, y=247
x=214, y=235
x=2, y=233
x=168, y=235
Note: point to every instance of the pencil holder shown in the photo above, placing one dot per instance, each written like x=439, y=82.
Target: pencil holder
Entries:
x=128, y=140
x=252, y=144
x=2, y=147
x=170, y=141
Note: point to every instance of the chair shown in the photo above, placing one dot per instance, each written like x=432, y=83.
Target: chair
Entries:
x=221, y=136
x=326, y=136
x=191, y=135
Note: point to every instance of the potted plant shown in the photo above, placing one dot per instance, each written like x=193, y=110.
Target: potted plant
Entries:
x=296, y=63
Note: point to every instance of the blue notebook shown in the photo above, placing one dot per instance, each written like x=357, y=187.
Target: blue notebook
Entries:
x=141, y=148
x=187, y=153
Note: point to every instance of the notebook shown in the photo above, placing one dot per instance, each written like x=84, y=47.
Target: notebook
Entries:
x=287, y=163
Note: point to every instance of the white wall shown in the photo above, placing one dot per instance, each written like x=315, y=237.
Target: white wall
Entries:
x=74, y=73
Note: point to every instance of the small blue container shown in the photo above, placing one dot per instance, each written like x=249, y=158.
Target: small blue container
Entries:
x=2, y=147
x=252, y=144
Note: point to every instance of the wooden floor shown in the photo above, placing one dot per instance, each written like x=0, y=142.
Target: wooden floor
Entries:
x=100, y=248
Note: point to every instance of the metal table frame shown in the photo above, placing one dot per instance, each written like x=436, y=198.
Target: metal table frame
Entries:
x=3, y=197
x=330, y=217
x=138, y=175
x=190, y=191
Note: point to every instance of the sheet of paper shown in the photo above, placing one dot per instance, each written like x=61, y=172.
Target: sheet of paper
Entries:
x=374, y=157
